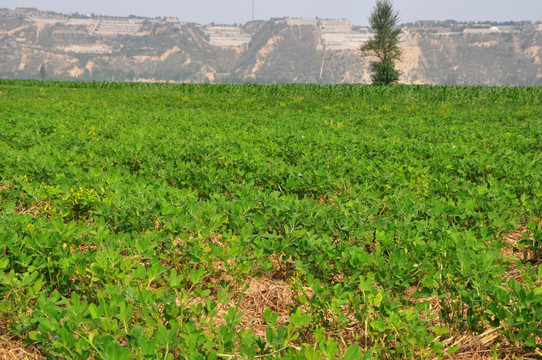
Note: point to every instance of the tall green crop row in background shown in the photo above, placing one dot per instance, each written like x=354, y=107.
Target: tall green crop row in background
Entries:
x=290, y=222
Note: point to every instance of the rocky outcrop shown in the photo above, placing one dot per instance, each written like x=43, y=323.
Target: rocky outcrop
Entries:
x=278, y=51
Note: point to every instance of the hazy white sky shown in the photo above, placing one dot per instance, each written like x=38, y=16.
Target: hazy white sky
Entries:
x=239, y=11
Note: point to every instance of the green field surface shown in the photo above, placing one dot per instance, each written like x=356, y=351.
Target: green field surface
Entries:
x=161, y=221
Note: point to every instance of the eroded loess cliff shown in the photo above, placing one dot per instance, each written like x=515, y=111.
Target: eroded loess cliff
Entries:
x=277, y=52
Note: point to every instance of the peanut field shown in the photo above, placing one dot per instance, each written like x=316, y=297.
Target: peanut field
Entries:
x=161, y=221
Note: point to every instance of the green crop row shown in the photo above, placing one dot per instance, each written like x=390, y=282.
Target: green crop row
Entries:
x=395, y=94
x=286, y=221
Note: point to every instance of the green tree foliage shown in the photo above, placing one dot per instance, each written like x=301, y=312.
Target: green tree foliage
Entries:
x=384, y=73
x=384, y=45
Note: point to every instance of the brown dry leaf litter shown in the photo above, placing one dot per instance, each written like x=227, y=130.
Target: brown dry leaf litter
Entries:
x=484, y=346
x=262, y=293
x=513, y=251
x=259, y=294
x=282, y=268
x=157, y=225
x=481, y=346
x=254, y=294
x=34, y=210
x=13, y=349
x=5, y=186
x=488, y=354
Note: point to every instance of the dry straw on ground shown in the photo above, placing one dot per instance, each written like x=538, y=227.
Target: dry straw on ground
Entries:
x=14, y=349
x=490, y=344
x=253, y=295
x=520, y=254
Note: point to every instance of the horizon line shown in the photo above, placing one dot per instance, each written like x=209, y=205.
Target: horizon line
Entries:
x=273, y=18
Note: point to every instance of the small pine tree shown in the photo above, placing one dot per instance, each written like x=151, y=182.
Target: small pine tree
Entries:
x=384, y=73
x=384, y=45
x=43, y=74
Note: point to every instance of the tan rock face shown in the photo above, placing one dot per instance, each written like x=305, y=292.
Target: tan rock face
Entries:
x=262, y=54
x=76, y=72
x=533, y=51
x=169, y=52
x=299, y=52
x=22, y=63
x=409, y=63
